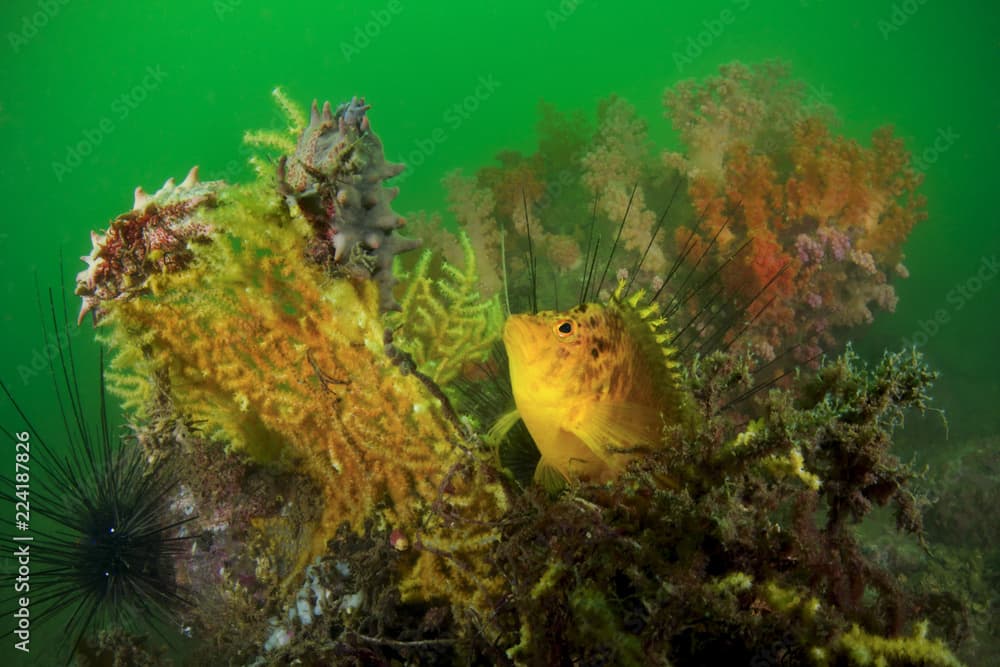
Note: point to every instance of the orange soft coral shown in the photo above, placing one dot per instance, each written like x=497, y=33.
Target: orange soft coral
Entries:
x=828, y=213
x=516, y=180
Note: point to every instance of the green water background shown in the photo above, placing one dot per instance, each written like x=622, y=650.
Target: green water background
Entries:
x=149, y=89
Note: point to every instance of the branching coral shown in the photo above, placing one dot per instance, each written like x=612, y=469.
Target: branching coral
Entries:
x=253, y=345
x=455, y=547
x=282, y=142
x=445, y=323
x=268, y=354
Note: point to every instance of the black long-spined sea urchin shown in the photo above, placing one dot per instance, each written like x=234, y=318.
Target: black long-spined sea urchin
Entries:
x=104, y=541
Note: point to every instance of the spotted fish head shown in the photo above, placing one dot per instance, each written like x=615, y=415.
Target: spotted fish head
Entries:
x=566, y=355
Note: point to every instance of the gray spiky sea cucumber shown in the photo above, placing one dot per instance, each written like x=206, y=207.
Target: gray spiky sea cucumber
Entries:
x=336, y=179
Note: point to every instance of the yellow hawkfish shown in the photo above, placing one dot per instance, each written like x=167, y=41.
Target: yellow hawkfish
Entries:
x=593, y=385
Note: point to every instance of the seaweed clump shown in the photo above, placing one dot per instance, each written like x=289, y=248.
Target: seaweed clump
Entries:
x=747, y=553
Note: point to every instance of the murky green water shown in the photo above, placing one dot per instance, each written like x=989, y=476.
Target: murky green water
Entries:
x=98, y=98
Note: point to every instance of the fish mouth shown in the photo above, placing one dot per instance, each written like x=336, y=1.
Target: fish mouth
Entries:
x=517, y=337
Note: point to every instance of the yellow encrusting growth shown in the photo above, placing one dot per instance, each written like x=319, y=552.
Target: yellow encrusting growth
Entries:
x=792, y=464
x=445, y=323
x=733, y=582
x=791, y=602
x=863, y=649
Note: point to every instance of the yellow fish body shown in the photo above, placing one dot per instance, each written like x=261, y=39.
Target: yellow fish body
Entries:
x=593, y=385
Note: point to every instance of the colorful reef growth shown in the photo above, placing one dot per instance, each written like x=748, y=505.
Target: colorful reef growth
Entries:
x=255, y=312
x=763, y=163
x=750, y=556
x=327, y=396
x=805, y=227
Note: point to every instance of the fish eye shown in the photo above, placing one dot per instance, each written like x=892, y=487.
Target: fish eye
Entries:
x=565, y=328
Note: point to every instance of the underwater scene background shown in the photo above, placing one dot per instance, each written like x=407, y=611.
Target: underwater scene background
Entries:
x=99, y=98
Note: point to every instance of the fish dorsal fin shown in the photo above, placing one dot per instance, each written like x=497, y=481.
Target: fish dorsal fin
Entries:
x=649, y=329
x=609, y=426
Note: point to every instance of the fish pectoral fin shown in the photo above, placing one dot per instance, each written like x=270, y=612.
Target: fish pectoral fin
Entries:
x=609, y=428
x=548, y=477
x=502, y=427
